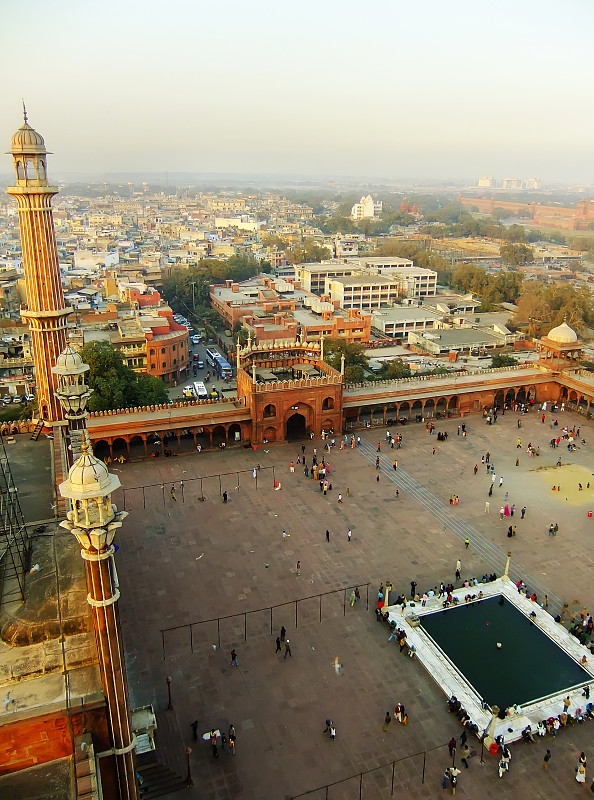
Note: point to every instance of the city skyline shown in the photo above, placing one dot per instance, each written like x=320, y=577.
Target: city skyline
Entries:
x=423, y=91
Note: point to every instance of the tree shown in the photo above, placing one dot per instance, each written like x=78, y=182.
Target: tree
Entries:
x=355, y=359
x=516, y=255
x=114, y=384
x=395, y=370
x=308, y=252
x=503, y=360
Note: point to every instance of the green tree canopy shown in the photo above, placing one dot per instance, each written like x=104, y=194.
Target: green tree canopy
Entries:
x=516, y=255
x=503, y=360
x=355, y=359
x=114, y=384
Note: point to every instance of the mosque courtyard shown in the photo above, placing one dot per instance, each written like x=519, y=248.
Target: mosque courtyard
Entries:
x=183, y=559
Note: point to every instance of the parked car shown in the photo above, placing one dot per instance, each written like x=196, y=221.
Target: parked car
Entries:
x=7, y=400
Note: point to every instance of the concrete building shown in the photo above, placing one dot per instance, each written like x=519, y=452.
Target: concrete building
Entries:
x=365, y=291
x=366, y=208
x=457, y=340
x=486, y=183
x=399, y=321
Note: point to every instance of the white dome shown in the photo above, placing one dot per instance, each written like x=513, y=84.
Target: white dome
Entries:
x=563, y=334
x=88, y=477
x=69, y=362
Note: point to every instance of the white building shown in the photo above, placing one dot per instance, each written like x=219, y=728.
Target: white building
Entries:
x=399, y=321
x=487, y=182
x=366, y=208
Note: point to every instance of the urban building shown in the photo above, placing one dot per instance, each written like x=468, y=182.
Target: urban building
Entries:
x=366, y=208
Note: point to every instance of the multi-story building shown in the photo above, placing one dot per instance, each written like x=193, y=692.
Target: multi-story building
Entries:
x=486, y=182
x=399, y=321
x=365, y=291
x=366, y=208
x=420, y=282
x=153, y=344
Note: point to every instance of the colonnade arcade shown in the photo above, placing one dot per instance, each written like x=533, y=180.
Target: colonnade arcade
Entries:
x=170, y=442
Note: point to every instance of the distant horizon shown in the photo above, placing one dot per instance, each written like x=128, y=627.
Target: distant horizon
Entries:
x=430, y=90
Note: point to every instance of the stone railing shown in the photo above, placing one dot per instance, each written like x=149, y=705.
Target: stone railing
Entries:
x=114, y=412
x=297, y=383
x=449, y=376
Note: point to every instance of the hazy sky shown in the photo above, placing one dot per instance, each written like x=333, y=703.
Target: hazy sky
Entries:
x=383, y=89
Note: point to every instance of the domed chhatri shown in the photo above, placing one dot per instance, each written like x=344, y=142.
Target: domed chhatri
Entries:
x=69, y=362
x=562, y=334
x=88, y=478
x=27, y=141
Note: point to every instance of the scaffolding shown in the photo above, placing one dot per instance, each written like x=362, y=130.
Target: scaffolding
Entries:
x=15, y=544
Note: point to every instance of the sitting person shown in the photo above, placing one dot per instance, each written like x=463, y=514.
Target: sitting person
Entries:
x=527, y=734
x=541, y=728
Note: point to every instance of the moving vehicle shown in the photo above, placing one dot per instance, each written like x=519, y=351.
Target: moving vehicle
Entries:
x=200, y=390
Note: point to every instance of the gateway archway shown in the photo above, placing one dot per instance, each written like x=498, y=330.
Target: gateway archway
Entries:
x=296, y=427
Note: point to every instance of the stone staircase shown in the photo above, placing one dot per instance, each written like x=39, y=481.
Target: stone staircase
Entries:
x=163, y=770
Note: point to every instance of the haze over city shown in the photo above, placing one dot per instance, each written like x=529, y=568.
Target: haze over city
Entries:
x=394, y=90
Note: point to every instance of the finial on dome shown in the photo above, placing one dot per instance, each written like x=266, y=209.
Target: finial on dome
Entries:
x=24, y=111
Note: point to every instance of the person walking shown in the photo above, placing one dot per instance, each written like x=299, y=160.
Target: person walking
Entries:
x=452, y=747
x=278, y=645
x=283, y=633
x=413, y=588
x=288, y=649
x=465, y=755
x=299, y=568
x=545, y=761
x=522, y=512
x=387, y=721
x=172, y=493
x=467, y=543
x=349, y=534
x=501, y=481
x=213, y=743
x=454, y=772
x=225, y=496
x=234, y=662
x=327, y=535
x=340, y=498
x=377, y=463
x=232, y=737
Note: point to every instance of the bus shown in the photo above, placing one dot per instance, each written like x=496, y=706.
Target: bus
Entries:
x=211, y=355
x=223, y=368
x=200, y=390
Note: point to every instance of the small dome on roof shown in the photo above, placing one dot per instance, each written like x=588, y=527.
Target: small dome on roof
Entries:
x=69, y=362
x=88, y=477
x=562, y=334
x=27, y=141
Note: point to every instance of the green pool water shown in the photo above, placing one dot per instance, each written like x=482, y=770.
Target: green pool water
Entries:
x=528, y=666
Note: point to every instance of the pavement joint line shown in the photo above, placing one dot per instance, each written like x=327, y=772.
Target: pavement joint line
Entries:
x=463, y=530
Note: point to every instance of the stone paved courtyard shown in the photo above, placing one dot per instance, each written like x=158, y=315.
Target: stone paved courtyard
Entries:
x=185, y=560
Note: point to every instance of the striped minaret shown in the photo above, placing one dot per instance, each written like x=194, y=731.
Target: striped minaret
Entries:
x=45, y=311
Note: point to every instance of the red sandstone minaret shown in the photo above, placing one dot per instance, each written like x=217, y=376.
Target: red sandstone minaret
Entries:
x=45, y=311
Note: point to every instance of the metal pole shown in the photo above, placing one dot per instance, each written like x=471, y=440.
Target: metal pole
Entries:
x=320, y=608
x=296, y=602
x=163, y=492
x=245, y=627
x=181, y=486
x=344, y=603
x=124, y=498
x=482, y=748
x=163, y=642
x=169, y=704
x=191, y=639
x=360, y=785
x=393, y=770
x=367, y=599
x=271, y=620
x=143, y=498
x=189, y=781
x=219, y=630
x=424, y=761
x=220, y=486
